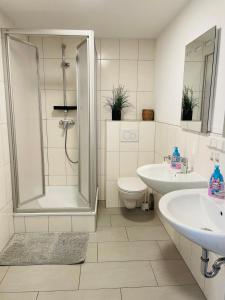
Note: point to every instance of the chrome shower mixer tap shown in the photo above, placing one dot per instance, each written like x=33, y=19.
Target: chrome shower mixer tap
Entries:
x=66, y=123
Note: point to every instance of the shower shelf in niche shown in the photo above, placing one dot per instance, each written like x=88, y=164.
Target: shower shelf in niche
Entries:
x=65, y=107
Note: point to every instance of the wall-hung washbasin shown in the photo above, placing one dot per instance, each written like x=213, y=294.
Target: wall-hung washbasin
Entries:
x=197, y=216
x=163, y=179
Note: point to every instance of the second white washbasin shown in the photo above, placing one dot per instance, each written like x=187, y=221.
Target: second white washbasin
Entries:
x=163, y=179
x=197, y=216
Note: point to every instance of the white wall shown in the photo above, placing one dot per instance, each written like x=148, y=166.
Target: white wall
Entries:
x=194, y=20
x=126, y=62
x=6, y=219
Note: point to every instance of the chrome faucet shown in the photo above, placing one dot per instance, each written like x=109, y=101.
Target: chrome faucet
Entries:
x=167, y=158
x=66, y=123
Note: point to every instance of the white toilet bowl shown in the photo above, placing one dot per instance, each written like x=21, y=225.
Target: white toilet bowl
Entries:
x=131, y=191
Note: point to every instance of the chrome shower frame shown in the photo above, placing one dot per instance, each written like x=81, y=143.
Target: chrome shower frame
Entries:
x=93, y=188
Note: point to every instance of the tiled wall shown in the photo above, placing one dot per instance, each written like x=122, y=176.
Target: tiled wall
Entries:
x=195, y=147
x=55, y=223
x=123, y=158
x=58, y=170
x=6, y=219
x=130, y=63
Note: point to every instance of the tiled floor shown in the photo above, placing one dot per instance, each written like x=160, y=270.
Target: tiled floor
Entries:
x=130, y=257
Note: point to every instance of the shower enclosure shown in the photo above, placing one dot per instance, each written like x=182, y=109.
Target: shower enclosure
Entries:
x=51, y=91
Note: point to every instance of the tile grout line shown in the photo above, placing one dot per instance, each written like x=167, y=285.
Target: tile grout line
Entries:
x=4, y=275
x=121, y=296
x=104, y=288
x=127, y=233
x=150, y=265
x=97, y=253
x=37, y=295
x=78, y=287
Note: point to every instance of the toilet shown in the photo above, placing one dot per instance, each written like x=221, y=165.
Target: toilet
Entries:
x=132, y=191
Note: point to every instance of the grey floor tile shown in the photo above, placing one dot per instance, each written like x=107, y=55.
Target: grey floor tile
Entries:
x=135, y=220
x=162, y=293
x=116, y=274
x=109, y=294
x=103, y=220
x=19, y=296
x=109, y=211
x=147, y=233
x=172, y=272
x=108, y=234
x=92, y=252
x=40, y=278
x=3, y=271
x=168, y=250
x=125, y=251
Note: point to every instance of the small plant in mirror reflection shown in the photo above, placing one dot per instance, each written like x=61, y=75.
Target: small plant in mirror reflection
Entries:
x=118, y=101
x=188, y=103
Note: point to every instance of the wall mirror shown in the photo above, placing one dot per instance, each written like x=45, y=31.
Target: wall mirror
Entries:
x=199, y=81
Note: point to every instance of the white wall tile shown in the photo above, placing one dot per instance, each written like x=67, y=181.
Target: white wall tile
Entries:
x=109, y=49
x=112, y=199
x=128, y=74
x=71, y=180
x=71, y=75
x=146, y=136
x=146, y=49
x=56, y=159
x=113, y=136
x=145, y=158
x=71, y=45
x=57, y=180
x=145, y=76
x=109, y=74
x=19, y=224
x=56, y=134
x=52, y=47
x=53, y=74
x=128, y=164
x=72, y=168
x=60, y=223
x=112, y=165
x=36, y=224
x=128, y=49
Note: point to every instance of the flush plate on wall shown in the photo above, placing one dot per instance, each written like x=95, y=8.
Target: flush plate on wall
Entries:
x=129, y=135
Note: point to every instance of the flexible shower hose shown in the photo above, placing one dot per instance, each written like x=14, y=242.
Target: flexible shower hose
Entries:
x=67, y=155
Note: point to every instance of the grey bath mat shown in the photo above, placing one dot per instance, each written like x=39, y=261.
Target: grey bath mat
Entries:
x=64, y=248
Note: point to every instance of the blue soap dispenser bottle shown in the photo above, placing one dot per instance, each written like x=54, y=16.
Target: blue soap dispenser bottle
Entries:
x=216, y=184
x=175, y=160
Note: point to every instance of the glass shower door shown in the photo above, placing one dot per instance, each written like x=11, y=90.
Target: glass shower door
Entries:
x=25, y=115
x=86, y=100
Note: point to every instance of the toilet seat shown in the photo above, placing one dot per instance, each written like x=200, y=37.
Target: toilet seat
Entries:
x=131, y=185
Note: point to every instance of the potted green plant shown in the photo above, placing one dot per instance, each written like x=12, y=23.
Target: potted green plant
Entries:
x=118, y=102
x=188, y=103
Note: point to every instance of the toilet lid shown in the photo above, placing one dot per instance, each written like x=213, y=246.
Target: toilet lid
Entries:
x=131, y=184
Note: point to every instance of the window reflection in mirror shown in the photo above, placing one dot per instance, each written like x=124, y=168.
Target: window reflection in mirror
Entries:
x=199, y=81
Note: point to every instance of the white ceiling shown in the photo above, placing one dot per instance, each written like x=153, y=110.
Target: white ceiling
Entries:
x=108, y=18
